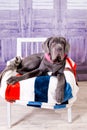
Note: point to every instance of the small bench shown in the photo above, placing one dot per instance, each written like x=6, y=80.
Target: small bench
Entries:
x=35, y=46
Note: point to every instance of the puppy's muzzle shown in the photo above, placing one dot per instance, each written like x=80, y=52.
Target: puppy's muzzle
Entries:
x=57, y=59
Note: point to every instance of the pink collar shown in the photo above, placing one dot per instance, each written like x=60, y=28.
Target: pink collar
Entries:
x=47, y=56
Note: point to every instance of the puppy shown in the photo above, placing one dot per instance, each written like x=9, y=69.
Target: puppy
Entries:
x=56, y=49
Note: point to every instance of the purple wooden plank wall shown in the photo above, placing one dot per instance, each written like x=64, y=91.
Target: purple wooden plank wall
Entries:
x=24, y=19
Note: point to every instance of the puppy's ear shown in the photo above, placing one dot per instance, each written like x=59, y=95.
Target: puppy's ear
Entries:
x=66, y=44
x=45, y=45
x=67, y=48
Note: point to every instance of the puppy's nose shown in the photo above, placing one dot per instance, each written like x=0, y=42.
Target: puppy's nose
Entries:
x=59, y=58
x=59, y=55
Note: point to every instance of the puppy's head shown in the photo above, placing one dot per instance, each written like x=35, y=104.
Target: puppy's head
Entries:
x=56, y=47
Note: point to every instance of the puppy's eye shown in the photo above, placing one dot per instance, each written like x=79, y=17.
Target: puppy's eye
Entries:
x=59, y=49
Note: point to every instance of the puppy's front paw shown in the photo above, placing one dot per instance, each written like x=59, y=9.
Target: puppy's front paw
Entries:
x=12, y=80
x=59, y=100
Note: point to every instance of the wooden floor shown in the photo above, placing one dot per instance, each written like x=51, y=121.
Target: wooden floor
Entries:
x=28, y=118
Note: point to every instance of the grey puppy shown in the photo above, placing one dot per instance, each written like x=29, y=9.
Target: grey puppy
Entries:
x=55, y=48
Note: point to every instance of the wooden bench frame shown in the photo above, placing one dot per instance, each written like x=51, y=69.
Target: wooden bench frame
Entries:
x=69, y=114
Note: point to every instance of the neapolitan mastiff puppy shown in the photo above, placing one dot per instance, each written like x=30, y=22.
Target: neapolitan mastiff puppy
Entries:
x=52, y=61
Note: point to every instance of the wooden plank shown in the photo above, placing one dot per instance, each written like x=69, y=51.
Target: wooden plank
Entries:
x=10, y=33
x=42, y=13
x=75, y=24
x=9, y=5
x=75, y=32
x=46, y=4
x=9, y=15
x=77, y=14
x=43, y=32
x=14, y=24
x=8, y=49
x=38, y=25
